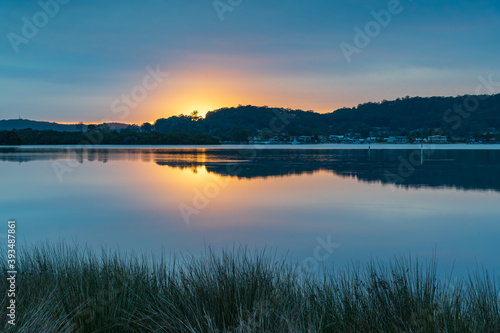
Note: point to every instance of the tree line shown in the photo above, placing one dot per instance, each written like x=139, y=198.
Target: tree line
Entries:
x=453, y=116
x=96, y=137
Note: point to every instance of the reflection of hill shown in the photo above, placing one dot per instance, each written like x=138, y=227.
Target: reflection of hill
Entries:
x=462, y=169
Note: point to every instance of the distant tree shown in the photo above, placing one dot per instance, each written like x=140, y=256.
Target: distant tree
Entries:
x=364, y=132
x=9, y=138
x=266, y=134
x=180, y=123
x=103, y=128
x=238, y=134
x=146, y=128
x=131, y=129
x=34, y=137
x=195, y=115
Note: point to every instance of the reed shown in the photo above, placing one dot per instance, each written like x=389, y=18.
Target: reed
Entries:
x=70, y=288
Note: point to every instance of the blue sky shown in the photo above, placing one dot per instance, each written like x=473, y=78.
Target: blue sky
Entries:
x=91, y=54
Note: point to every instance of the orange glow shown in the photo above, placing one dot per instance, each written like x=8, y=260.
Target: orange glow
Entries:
x=211, y=81
x=168, y=187
x=226, y=82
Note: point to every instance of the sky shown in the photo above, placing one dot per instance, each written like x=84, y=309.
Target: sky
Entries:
x=137, y=61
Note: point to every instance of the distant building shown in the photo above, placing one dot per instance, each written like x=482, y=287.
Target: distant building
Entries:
x=336, y=137
x=391, y=139
x=401, y=139
x=396, y=139
x=305, y=138
x=437, y=139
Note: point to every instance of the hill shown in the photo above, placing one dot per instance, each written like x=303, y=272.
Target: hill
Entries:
x=453, y=116
x=18, y=124
x=461, y=116
x=10, y=124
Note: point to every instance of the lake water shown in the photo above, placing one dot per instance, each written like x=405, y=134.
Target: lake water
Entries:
x=320, y=205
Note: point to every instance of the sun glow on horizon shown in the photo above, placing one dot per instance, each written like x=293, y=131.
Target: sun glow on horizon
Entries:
x=211, y=84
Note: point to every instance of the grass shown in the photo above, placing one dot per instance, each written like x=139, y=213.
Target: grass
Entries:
x=66, y=288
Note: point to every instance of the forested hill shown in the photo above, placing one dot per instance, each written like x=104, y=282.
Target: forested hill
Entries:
x=463, y=115
x=10, y=124
x=18, y=124
x=454, y=116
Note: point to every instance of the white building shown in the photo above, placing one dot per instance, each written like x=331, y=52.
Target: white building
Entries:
x=401, y=139
x=336, y=137
x=437, y=139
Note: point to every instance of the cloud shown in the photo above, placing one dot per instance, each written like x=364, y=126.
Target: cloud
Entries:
x=281, y=52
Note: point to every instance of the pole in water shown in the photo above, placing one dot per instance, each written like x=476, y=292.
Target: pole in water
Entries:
x=421, y=155
x=369, y=143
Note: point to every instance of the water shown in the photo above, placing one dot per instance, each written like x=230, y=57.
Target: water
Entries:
x=319, y=205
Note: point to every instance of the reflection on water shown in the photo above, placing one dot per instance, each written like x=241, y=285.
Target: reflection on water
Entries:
x=284, y=199
x=461, y=169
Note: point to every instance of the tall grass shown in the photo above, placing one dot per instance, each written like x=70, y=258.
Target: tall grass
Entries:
x=66, y=288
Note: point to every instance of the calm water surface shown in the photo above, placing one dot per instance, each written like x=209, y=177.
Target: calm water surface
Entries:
x=367, y=203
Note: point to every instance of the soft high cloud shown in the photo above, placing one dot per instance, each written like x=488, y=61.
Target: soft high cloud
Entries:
x=280, y=53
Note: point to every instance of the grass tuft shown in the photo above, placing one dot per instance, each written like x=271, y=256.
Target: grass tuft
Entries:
x=68, y=288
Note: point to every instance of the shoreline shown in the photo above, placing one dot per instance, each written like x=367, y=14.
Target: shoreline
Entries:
x=439, y=146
